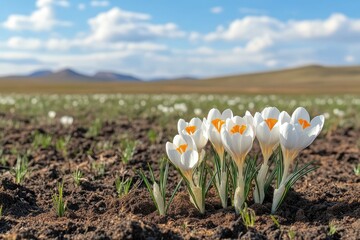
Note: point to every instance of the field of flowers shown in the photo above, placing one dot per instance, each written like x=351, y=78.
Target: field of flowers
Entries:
x=338, y=110
x=96, y=167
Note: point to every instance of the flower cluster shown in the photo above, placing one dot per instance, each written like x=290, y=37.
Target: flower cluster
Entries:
x=232, y=171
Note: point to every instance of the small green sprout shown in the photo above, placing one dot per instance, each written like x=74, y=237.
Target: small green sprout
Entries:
x=59, y=204
x=14, y=151
x=158, y=191
x=94, y=129
x=276, y=222
x=77, y=176
x=127, y=150
x=248, y=216
x=61, y=145
x=332, y=229
x=123, y=186
x=21, y=169
x=357, y=170
x=104, y=145
x=152, y=136
x=291, y=234
x=98, y=168
x=41, y=140
x=3, y=158
x=1, y=210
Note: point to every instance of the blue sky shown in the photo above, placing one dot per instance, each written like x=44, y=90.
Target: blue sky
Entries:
x=161, y=38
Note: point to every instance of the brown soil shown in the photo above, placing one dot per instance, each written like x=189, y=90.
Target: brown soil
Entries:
x=330, y=194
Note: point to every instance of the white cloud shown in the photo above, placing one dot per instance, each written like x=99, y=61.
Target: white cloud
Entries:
x=349, y=59
x=336, y=27
x=46, y=3
x=42, y=19
x=95, y=3
x=216, y=10
x=258, y=44
x=120, y=25
x=63, y=44
x=26, y=44
x=81, y=6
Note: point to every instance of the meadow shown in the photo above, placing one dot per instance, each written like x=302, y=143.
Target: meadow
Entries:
x=84, y=151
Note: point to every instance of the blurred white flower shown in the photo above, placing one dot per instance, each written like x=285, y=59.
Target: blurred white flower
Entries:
x=52, y=114
x=197, y=111
x=338, y=112
x=180, y=107
x=66, y=120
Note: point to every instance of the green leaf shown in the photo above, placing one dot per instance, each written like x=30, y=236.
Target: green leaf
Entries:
x=173, y=195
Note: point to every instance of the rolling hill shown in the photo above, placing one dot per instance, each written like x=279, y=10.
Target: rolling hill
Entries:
x=69, y=75
x=309, y=79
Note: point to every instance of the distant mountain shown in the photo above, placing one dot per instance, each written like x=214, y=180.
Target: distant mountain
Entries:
x=40, y=73
x=115, y=76
x=173, y=79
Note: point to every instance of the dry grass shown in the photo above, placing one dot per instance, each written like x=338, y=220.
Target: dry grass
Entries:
x=311, y=79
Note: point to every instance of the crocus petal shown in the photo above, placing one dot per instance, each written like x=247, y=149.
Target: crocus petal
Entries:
x=249, y=119
x=288, y=136
x=226, y=140
x=173, y=154
x=196, y=122
x=246, y=144
x=213, y=114
x=310, y=133
x=200, y=139
x=270, y=112
x=189, y=160
x=258, y=119
x=319, y=120
x=214, y=137
x=189, y=141
x=263, y=133
x=178, y=140
x=181, y=125
x=274, y=136
x=238, y=121
x=300, y=113
x=227, y=114
x=284, y=117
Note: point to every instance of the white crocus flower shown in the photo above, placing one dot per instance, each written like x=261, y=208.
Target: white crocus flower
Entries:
x=267, y=132
x=183, y=153
x=196, y=129
x=296, y=133
x=214, y=123
x=237, y=136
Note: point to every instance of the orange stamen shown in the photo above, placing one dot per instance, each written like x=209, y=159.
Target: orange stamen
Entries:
x=271, y=122
x=218, y=123
x=190, y=129
x=238, y=129
x=304, y=123
x=182, y=148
